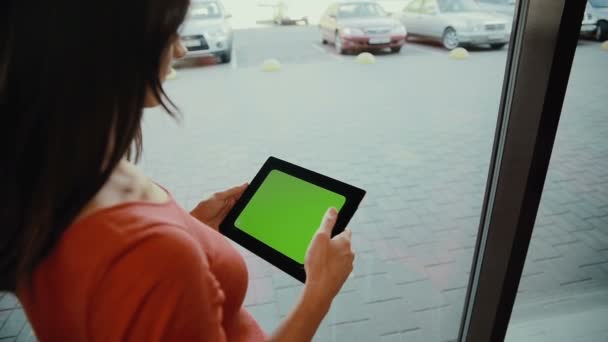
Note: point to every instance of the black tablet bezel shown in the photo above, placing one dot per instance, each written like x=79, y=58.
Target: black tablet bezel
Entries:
x=353, y=196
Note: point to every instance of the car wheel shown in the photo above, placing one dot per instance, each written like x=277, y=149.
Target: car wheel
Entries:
x=601, y=33
x=338, y=44
x=324, y=41
x=226, y=56
x=497, y=46
x=396, y=49
x=450, y=39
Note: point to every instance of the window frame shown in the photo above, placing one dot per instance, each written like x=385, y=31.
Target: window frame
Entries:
x=538, y=67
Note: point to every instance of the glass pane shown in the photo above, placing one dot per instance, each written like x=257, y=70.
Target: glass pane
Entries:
x=413, y=127
x=412, y=123
x=563, y=293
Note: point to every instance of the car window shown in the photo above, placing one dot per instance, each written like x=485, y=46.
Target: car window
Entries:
x=413, y=6
x=599, y=3
x=449, y=6
x=360, y=10
x=205, y=10
x=430, y=7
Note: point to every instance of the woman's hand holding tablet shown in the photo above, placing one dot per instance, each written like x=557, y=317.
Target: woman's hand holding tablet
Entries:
x=328, y=263
x=278, y=215
x=329, y=260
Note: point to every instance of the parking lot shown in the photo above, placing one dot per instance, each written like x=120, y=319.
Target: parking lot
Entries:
x=302, y=45
x=414, y=129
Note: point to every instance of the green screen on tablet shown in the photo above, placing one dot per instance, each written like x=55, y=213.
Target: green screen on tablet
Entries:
x=285, y=212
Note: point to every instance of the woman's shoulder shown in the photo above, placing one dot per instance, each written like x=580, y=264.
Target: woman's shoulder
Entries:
x=129, y=211
x=127, y=227
x=128, y=243
x=131, y=218
x=126, y=185
x=115, y=257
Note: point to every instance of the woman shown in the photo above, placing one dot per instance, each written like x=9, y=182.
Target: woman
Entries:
x=95, y=250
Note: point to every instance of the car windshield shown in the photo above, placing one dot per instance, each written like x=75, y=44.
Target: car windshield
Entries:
x=205, y=10
x=360, y=10
x=449, y=6
x=599, y=3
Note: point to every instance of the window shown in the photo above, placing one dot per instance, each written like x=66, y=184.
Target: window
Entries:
x=414, y=6
x=415, y=129
x=415, y=125
x=563, y=291
x=504, y=2
x=447, y=6
x=360, y=10
x=599, y=3
x=430, y=7
x=205, y=10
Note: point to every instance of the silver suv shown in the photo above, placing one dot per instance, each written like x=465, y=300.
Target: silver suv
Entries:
x=206, y=31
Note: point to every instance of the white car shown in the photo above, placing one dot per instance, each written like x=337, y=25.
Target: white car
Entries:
x=589, y=24
x=506, y=7
x=597, y=11
x=206, y=31
x=592, y=20
x=455, y=23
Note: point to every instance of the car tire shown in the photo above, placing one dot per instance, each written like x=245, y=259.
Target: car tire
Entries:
x=601, y=33
x=338, y=44
x=226, y=57
x=449, y=40
x=324, y=41
x=497, y=46
x=396, y=49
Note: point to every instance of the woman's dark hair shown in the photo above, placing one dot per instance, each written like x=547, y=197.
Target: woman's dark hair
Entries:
x=73, y=81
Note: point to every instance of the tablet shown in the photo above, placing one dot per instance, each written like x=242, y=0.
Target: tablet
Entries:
x=281, y=210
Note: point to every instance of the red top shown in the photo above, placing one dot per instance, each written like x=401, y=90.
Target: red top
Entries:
x=140, y=272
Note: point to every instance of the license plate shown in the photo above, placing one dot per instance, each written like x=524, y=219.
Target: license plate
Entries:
x=379, y=40
x=495, y=36
x=192, y=43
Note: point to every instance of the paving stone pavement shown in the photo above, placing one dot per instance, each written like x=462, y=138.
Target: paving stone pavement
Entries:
x=417, y=135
